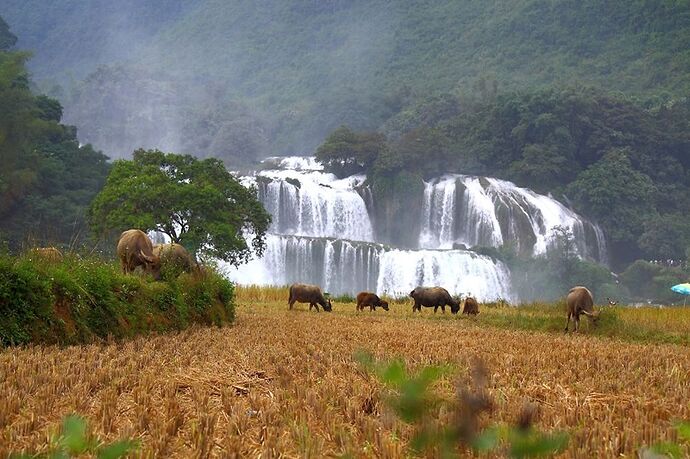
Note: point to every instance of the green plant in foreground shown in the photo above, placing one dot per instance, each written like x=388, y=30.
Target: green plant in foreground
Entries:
x=412, y=401
x=74, y=440
x=663, y=450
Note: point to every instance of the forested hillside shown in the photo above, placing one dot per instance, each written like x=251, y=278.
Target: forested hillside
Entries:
x=46, y=178
x=624, y=166
x=276, y=76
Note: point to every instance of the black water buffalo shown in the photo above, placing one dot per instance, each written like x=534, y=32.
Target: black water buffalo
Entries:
x=307, y=293
x=433, y=297
x=370, y=299
x=580, y=301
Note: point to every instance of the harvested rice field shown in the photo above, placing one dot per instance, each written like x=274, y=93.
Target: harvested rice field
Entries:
x=285, y=383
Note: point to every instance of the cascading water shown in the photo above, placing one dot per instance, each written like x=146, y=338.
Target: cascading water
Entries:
x=322, y=233
x=482, y=211
x=459, y=271
x=315, y=204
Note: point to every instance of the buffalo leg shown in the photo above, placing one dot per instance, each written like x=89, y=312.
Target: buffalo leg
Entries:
x=577, y=322
x=567, y=323
x=291, y=302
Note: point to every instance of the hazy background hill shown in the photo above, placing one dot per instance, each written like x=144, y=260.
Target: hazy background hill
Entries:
x=244, y=79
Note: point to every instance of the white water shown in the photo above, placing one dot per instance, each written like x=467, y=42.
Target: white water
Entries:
x=315, y=204
x=458, y=271
x=492, y=212
x=323, y=234
x=340, y=266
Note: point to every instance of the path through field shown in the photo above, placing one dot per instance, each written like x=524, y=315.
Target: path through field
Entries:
x=283, y=381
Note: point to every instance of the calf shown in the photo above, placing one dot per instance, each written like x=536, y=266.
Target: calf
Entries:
x=370, y=299
x=471, y=306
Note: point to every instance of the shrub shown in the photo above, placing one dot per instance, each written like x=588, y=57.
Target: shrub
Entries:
x=77, y=300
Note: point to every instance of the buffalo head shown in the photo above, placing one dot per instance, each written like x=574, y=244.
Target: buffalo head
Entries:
x=152, y=264
x=327, y=306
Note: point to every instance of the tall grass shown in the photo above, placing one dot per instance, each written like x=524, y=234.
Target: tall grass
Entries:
x=80, y=299
x=261, y=294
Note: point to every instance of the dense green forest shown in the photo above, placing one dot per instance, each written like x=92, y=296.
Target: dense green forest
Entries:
x=277, y=76
x=622, y=165
x=47, y=179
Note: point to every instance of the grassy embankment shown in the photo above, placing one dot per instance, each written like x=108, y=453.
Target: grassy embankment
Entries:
x=78, y=300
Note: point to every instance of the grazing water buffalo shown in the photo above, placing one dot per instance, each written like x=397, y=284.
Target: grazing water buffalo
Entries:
x=49, y=254
x=580, y=301
x=307, y=293
x=433, y=297
x=471, y=306
x=370, y=299
x=175, y=256
x=135, y=249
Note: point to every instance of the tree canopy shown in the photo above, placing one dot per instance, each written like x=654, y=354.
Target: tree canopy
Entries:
x=624, y=165
x=197, y=203
x=47, y=179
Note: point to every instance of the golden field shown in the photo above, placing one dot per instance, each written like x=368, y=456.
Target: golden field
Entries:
x=282, y=382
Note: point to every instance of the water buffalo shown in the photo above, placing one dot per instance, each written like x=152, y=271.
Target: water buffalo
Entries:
x=370, y=299
x=433, y=297
x=307, y=293
x=580, y=301
x=176, y=257
x=49, y=254
x=471, y=306
x=135, y=249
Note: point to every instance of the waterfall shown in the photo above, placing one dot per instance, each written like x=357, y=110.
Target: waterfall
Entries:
x=322, y=233
x=341, y=266
x=482, y=211
x=338, y=266
x=315, y=204
x=458, y=271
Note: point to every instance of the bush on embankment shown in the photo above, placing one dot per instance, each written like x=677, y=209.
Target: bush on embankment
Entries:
x=79, y=300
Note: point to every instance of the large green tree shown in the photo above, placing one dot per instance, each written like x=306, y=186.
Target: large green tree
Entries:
x=617, y=195
x=197, y=203
x=345, y=151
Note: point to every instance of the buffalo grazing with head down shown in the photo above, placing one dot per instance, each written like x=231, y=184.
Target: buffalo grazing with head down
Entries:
x=48, y=254
x=470, y=307
x=174, y=256
x=580, y=301
x=307, y=293
x=433, y=297
x=135, y=249
x=372, y=300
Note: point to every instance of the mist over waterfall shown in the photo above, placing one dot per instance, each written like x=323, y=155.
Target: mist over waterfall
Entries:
x=323, y=233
